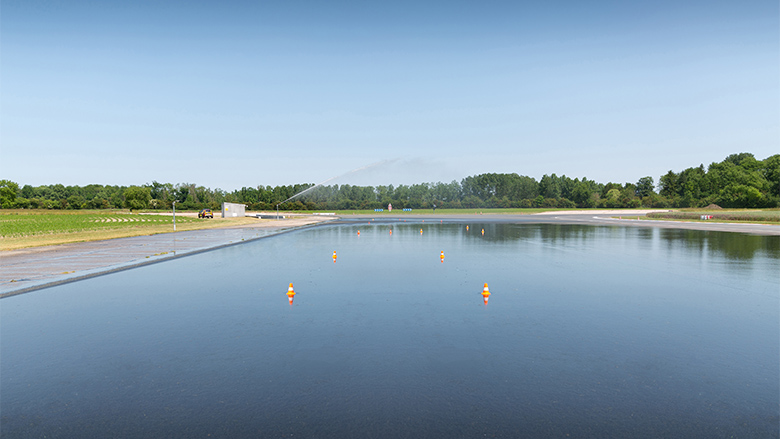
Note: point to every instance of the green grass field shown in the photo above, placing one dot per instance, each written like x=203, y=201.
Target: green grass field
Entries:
x=32, y=228
x=32, y=223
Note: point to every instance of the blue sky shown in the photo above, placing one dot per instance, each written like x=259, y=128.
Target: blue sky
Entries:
x=233, y=94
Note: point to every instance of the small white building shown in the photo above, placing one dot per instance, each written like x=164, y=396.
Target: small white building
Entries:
x=230, y=210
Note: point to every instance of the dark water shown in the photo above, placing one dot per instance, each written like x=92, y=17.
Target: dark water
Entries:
x=590, y=332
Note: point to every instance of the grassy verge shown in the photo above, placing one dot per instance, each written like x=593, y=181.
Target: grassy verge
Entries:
x=33, y=228
x=725, y=216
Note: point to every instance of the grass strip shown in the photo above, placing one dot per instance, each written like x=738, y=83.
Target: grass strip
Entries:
x=764, y=217
x=34, y=228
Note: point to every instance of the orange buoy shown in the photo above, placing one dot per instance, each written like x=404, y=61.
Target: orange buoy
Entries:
x=420, y=231
x=467, y=228
x=334, y=255
x=391, y=231
x=358, y=232
x=442, y=256
x=483, y=231
x=290, y=293
x=485, y=293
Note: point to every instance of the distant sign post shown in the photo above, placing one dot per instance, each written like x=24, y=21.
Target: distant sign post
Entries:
x=174, y=216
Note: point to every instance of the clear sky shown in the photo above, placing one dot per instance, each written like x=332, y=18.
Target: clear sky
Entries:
x=246, y=93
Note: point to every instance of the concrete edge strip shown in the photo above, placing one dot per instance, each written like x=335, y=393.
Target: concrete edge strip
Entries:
x=145, y=263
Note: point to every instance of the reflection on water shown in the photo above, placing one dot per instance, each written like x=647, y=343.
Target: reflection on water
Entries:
x=589, y=332
x=730, y=245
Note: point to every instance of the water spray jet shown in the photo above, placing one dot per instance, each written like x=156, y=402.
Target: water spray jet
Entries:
x=372, y=165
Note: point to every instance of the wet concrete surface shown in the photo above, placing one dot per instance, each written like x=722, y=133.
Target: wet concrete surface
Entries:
x=40, y=267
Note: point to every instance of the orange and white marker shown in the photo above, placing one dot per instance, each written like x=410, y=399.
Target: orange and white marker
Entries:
x=291, y=293
x=420, y=231
x=391, y=231
x=485, y=293
x=334, y=255
x=467, y=228
x=358, y=232
x=483, y=231
x=442, y=256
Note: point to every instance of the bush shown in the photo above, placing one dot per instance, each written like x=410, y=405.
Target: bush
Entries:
x=566, y=203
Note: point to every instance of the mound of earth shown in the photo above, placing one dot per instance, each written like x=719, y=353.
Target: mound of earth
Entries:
x=713, y=206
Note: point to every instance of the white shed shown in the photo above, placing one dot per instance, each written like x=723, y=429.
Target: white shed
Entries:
x=230, y=210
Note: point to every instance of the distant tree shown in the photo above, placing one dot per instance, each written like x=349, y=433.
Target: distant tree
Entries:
x=28, y=191
x=582, y=194
x=608, y=187
x=137, y=197
x=59, y=192
x=98, y=203
x=8, y=190
x=771, y=171
x=667, y=185
x=549, y=186
x=739, y=195
x=76, y=202
x=525, y=188
x=567, y=187
x=737, y=159
x=612, y=198
x=644, y=187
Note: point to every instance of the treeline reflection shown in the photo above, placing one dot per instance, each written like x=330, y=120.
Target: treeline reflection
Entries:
x=736, y=246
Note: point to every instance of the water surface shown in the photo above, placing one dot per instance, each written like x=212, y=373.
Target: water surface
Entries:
x=589, y=332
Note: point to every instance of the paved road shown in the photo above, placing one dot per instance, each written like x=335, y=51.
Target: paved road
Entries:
x=30, y=269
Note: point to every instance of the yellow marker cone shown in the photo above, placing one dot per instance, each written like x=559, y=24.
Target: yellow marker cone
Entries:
x=442, y=256
x=334, y=255
x=483, y=231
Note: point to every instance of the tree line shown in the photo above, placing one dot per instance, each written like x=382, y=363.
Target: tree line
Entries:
x=740, y=180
